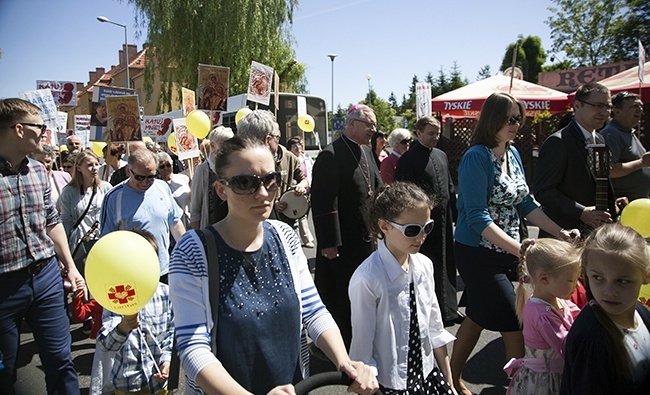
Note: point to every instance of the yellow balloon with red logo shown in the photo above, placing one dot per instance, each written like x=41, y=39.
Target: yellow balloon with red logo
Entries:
x=198, y=124
x=306, y=123
x=636, y=215
x=241, y=113
x=171, y=143
x=98, y=148
x=122, y=272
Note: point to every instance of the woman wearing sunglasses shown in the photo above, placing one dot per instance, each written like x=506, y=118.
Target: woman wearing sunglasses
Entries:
x=493, y=199
x=266, y=295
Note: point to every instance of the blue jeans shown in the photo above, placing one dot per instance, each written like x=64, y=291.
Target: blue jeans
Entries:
x=39, y=300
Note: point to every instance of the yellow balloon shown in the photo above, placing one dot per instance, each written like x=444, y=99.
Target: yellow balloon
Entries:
x=636, y=215
x=147, y=139
x=242, y=113
x=306, y=123
x=171, y=143
x=198, y=124
x=122, y=272
x=97, y=147
x=644, y=292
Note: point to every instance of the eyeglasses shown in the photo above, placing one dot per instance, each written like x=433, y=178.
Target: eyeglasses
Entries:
x=515, y=120
x=413, y=230
x=405, y=141
x=41, y=126
x=164, y=165
x=370, y=125
x=149, y=178
x=276, y=136
x=248, y=184
x=599, y=106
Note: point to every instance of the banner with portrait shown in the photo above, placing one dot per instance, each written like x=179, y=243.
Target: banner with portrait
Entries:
x=123, y=118
x=98, y=113
x=64, y=92
x=187, y=145
x=188, y=99
x=259, y=83
x=44, y=100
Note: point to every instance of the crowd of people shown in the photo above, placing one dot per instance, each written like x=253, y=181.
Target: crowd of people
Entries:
x=238, y=305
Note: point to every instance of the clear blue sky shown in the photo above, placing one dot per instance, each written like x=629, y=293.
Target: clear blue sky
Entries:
x=390, y=40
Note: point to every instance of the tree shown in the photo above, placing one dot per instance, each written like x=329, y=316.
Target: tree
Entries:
x=530, y=57
x=383, y=111
x=442, y=84
x=456, y=78
x=409, y=101
x=627, y=31
x=484, y=73
x=183, y=33
x=584, y=30
x=392, y=100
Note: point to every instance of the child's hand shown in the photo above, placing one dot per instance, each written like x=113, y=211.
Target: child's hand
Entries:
x=129, y=323
x=164, y=372
x=81, y=289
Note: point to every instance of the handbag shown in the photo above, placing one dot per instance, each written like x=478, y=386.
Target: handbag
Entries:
x=84, y=245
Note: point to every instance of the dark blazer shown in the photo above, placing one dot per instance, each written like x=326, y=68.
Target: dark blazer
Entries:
x=564, y=183
x=587, y=358
x=339, y=194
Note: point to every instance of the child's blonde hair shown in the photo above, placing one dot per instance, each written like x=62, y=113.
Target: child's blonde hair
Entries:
x=541, y=255
x=624, y=245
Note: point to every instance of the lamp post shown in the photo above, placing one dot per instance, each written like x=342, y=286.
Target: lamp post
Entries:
x=332, y=56
x=369, y=77
x=103, y=19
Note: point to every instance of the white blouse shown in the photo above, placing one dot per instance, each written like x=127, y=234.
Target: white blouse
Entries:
x=379, y=298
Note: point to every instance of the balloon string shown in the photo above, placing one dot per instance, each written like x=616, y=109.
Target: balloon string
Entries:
x=155, y=364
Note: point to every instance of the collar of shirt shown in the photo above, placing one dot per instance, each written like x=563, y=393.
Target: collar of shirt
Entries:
x=392, y=267
x=7, y=168
x=396, y=154
x=620, y=127
x=589, y=136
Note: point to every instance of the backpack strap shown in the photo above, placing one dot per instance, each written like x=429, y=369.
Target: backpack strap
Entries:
x=210, y=245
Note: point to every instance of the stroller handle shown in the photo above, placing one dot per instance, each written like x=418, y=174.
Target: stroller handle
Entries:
x=322, y=380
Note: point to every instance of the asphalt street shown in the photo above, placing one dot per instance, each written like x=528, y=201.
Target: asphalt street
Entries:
x=483, y=374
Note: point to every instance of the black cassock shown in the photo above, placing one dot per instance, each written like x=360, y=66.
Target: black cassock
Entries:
x=343, y=176
x=428, y=168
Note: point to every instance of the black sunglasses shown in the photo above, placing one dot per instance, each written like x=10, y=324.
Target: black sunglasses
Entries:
x=515, y=120
x=413, y=230
x=164, y=165
x=248, y=184
x=405, y=141
x=41, y=126
x=142, y=178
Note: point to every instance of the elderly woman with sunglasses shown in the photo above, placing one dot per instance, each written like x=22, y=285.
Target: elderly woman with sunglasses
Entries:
x=493, y=199
x=267, y=301
x=178, y=183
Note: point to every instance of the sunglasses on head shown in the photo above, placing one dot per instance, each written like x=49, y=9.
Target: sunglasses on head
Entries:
x=413, y=230
x=515, y=120
x=248, y=184
x=142, y=178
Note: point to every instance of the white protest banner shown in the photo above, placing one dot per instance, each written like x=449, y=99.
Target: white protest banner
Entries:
x=45, y=101
x=64, y=92
x=187, y=145
x=157, y=127
x=423, y=99
x=82, y=128
x=63, y=121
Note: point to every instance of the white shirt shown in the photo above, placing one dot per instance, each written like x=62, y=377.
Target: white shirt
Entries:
x=379, y=298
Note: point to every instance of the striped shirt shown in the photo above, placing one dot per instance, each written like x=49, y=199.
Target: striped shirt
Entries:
x=26, y=211
x=189, y=285
x=141, y=349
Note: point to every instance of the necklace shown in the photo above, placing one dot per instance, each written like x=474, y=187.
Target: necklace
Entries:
x=358, y=160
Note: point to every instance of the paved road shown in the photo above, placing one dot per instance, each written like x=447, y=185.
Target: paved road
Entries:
x=483, y=373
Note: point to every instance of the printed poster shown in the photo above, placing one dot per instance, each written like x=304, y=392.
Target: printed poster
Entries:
x=213, y=87
x=99, y=115
x=123, y=118
x=423, y=99
x=157, y=127
x=82, y=128
x=187, y=145
x=259, y=83
x=189, y=101
x=64, y=92
x=45, y=101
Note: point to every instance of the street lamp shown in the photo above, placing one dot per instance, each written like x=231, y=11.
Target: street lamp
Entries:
x=103, y=19
x=369, y=77
x=332, y=56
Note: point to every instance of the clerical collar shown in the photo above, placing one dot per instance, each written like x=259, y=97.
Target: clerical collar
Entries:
x=349, y=139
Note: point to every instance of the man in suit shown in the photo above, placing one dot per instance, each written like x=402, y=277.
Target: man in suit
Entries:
x=428, y=167
x=344, y=177
x=564, y=182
